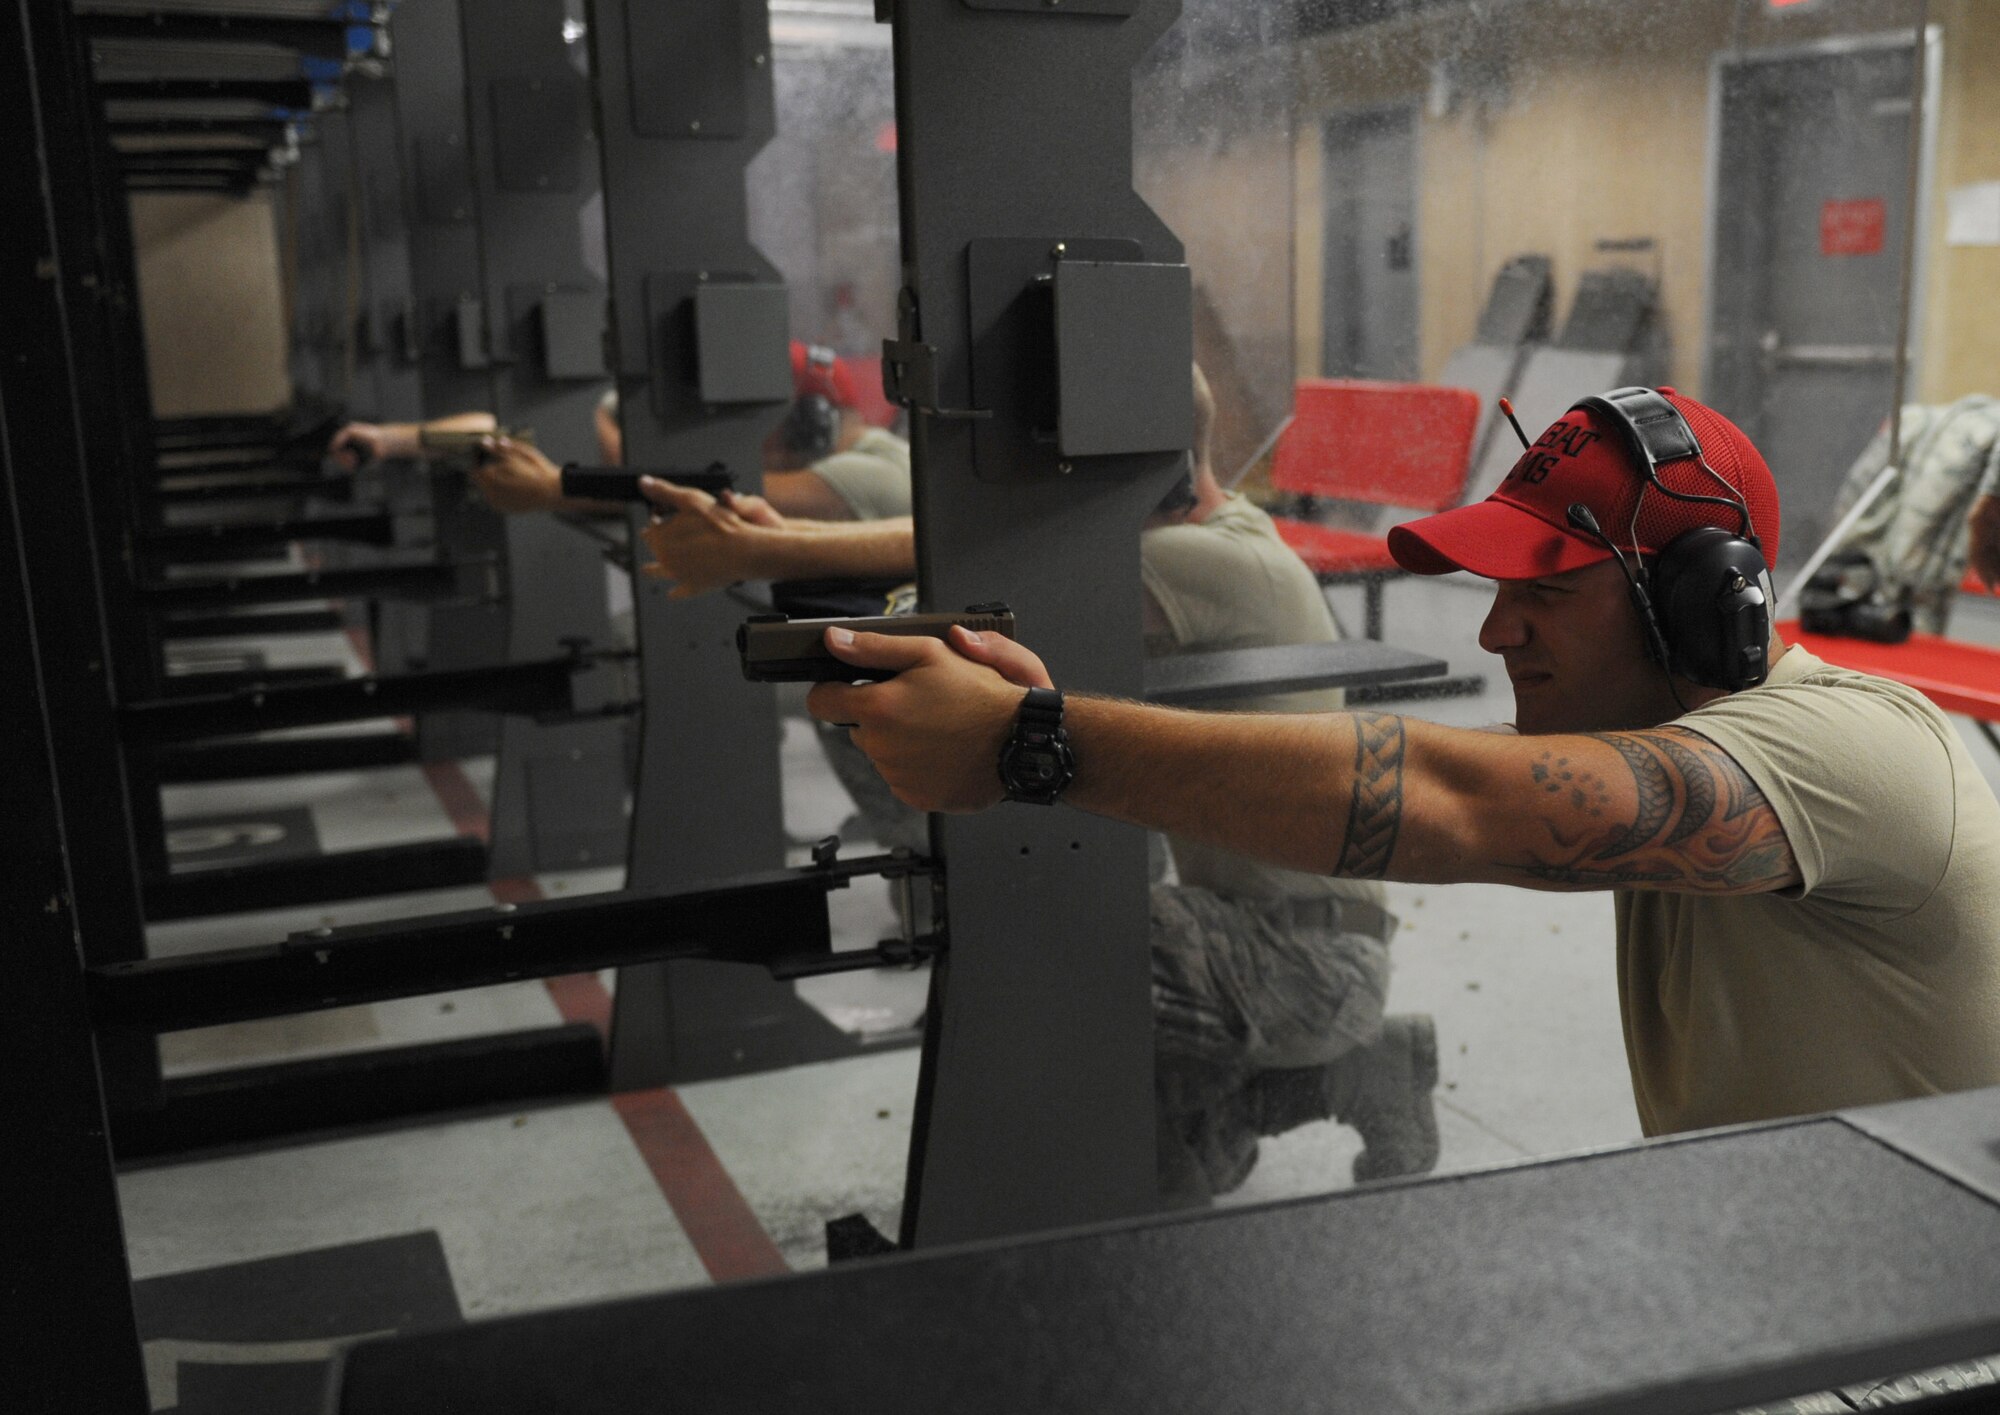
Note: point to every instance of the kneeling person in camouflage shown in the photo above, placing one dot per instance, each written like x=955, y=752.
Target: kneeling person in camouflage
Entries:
x=1268, y=984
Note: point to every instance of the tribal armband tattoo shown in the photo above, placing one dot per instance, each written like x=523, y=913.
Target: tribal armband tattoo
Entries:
x=1375, y=813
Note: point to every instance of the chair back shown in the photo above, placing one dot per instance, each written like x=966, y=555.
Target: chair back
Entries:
x=1388, y=444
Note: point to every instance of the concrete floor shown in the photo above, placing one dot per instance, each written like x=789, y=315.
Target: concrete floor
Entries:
x=555, y=1205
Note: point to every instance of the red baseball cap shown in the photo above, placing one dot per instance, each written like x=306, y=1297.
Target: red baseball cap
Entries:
x=817, y=369
x=1522, y=531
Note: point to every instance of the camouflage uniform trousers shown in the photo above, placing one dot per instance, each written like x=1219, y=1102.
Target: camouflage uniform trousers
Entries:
x=1252, y=1000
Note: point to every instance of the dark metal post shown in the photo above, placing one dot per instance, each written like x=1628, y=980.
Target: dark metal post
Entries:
x=391, y=344
x=559, y=794
x=321, y=339
x=67, y=1287
x=389, y=389
x=79, y=515
x=1014, y=122
x=684, y=102
x=429, y=90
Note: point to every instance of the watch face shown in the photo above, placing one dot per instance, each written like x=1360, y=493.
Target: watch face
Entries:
x=1037, y=768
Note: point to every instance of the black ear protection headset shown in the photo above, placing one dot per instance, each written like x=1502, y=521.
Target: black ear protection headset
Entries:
x=1702, y=601
x=811, y=427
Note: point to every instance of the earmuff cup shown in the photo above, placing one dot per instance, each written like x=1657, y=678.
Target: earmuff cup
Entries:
x=1704, y=604
x=811, y=427
x=1709, y=605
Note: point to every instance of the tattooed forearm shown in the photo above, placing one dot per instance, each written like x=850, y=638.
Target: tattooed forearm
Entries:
x=1698, y=822
x=1375, y=812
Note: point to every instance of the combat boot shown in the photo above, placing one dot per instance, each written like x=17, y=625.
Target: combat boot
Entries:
x=1383, y=1090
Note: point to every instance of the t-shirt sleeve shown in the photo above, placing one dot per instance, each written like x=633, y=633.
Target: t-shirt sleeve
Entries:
x=875, y=488
x=1859, y=778
x=1190, y=573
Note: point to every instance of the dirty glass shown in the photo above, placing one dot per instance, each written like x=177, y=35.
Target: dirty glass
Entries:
x=1715, y=195
x=823, y=193
x=1382, y=201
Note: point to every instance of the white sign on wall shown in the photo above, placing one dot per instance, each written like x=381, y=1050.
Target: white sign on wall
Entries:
x=1972, y=215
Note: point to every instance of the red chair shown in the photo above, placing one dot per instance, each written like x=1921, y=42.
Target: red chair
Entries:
x=1385, y=444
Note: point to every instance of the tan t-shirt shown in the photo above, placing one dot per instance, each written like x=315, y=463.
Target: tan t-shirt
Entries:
x=872, y=476
x=1229, y=582
x=1876, y=979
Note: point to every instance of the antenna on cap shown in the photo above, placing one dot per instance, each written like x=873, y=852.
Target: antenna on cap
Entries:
x=1508, y=408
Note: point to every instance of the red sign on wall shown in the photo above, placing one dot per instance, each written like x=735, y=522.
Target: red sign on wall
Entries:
x=1852, y=227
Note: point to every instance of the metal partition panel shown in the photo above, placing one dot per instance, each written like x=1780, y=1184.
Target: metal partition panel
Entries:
x=429, y=90
x=387, y=386
x=325, y=283
x=81, y=517
x=67, y=1293
x=559, y=793
x=684, y=103
x=1014, y=136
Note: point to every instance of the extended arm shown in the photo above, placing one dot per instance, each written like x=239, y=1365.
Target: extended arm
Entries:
x=1375, y=795
x=705, y=544
x=1368, y=795
x=356, y=444
x=516, y=478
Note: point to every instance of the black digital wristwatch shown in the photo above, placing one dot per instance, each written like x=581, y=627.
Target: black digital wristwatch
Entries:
x=1036, y=762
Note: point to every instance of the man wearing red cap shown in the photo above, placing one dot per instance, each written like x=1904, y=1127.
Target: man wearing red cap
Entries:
x=1806, y=863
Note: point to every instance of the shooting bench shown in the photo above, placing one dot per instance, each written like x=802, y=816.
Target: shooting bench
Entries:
x=1958, y=677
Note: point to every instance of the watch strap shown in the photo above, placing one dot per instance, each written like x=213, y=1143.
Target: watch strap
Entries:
x=1038, y=728
x=1041, y=712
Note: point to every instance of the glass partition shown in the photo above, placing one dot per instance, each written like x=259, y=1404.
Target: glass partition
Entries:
x=1716, y=195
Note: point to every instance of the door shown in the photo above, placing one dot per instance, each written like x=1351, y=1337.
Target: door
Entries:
x=1812, y=155
x=1369, y=276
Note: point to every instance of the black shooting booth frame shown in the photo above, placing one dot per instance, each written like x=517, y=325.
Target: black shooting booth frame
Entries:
x=207, y=490
x=321, y=268
x=701, y=331
x=442, y=257
x=1044, y=347
x=79, y=978
x=388, y=386
x=536, y=322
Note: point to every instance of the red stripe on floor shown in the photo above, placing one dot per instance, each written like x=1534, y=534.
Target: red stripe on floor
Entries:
x=581, y=997
x=727, y=1237
x=461, y=801
x=723, y=1228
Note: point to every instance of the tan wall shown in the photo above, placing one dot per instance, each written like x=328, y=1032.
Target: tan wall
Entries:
x=1595, y=126
x=1233, y=214
x=210, y=301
